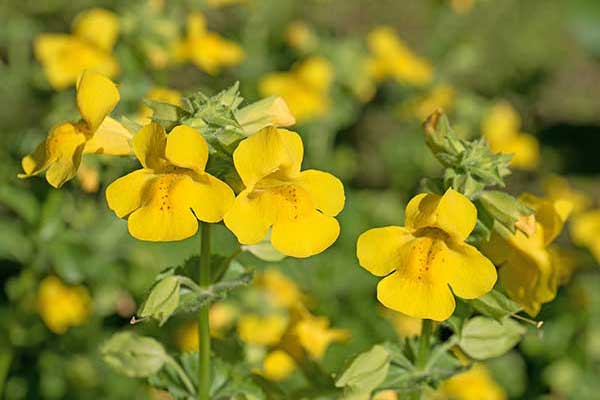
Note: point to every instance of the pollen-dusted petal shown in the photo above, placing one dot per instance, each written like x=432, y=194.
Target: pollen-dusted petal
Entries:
x=378, y=250
x=97, y=96
x=453, y=213
x=469, y=273
x=97, y=26
x=165, y=213
x=187, y=148
x=270, y=151
x=110, y=138
x=210, y=198
x=325, y=190
x=306, y=236
x=149, y=145
x=250, y=216
x=125, y=194
x=416, y=298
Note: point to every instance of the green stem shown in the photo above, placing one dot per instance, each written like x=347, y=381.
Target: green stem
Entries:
x=426, y=329
x=203, y=324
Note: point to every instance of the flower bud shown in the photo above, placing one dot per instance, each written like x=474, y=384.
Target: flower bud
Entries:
x=272, y=111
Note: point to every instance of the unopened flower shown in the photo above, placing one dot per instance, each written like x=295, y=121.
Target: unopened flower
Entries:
x=62, y=306
x=424, y=259
x=278, y=365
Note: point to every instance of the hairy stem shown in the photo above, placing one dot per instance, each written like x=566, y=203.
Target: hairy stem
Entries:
x=203, y=324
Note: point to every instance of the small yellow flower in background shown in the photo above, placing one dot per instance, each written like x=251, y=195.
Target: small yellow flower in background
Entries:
x=501, y=128
x=462, y=6
x=97, y=133
x=391, y=58
x=279, y=289
x=441, y=96
x=158, y=199
x=526, y=270
x=299, y=36
x=421, y=260
x=62, y=306
x=299, y=206
x=475, y=384
x=305, y=88
x=262, y=330
x=207, y=50
x=222, y=3
x=162, y=94
x=315, y=336
x=558, y=188
x=404, y=325
x=89, y=178
x=278, y=365
x=64, y=57
x=386, y=395
x=564, y=262
x=585, y=231
x=221, y=317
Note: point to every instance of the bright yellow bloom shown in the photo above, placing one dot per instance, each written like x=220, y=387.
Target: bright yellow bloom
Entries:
x=162, y=94
x=474, y=384
x=207, y=50
x=96, y=133
x=391, y=58
x=526, y=270
x=259, y=330
x=501, y=127
x=315, y=336
x=585, y=231
x=421, y=260
x=62, y=306
x=558, y=188
x=220, y=316
x=305, y=88
x=64, y=57
x=278, y=365
x=280, y=289
x=164, y=200
x=299, y=206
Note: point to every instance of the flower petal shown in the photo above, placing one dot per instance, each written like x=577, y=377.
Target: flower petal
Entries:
x=210, y=198
x=186, y=148
x=469, y=273
x=551, y=215
x=250, y=217
x=378, y=250
x=453, y=213
x=110, y=138
x=309, y=235
x=97, y=96
x=97, y=26
x=271, y=151
x=125, y=194
x=325, y=190
x=149, y=146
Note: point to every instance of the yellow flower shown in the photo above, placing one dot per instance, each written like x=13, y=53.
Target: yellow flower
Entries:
x=220, y=316
x=64, y=57
x=221, y=3
x=474, y=384
x=421, y=260
x=164, y=200
x=564, y=262
x=207, y=50
x=299, y=206
x=386, y=395
x=278, y=365
x=441, y=96
x=315, y=336
x=60, y=154
x=558, y=188
x=88, y=178
x=299, y=36
x=526, y=270
x=259, y=330
x=62, y=306
x=305, y=88
x=585, y=231
x=162, y=94
x=391, y=58
x=501, y=127
x=280, y=289
x=462, y=6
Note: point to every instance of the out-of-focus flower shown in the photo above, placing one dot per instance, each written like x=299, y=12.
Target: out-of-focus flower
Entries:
x=526, y=270
x=558, y=188
x=564, y=261
x=159, y=198
x=585, y=231
x=62, y=306
x=305, y=88
x=64, y=57
x=298, y=207
x=386, y=395
x=315, y=336
x=262, y=330
x=96, y=133
x=278, y=365
x=207, y=50
x=404, y=325
x=88, y=178
x=279, y=289
x=223, y=3
x=299, y=36
x=162, y=94
x=474, y=384
x=221, y=316
x=462, y=6
x=441, y=96
x=501, y=127
x=422, y=260
x=391, y=58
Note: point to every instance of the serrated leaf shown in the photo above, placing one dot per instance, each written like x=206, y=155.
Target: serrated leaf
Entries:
x=495, y=305
x=482, y=337
x=134, y=356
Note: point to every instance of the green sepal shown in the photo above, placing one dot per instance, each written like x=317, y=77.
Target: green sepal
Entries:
x=133, y=355
x=502, y=207
x=482, y=337
x=162, y=301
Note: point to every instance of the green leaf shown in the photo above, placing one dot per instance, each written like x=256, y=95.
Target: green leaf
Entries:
x=264, y=251
x=21, y=201
x=134, y=356
x=482, y=337
x=15, y=244
x=162, y=301
x=365, y=373
x=495, y=305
